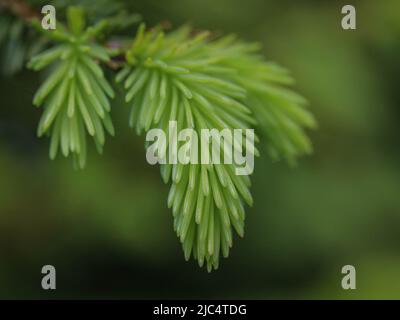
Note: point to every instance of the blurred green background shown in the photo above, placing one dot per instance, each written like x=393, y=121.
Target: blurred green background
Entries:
x=107, y=229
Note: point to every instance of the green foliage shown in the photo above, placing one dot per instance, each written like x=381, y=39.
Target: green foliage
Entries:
x=76, y=94
x=280, y=112
x=95, y=10
x=210, y=84
x=17, y=44
x=200, y=81
x=177, y=77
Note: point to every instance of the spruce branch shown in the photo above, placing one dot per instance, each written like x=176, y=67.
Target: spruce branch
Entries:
x=177, y=77
x=76, y=95
x=26, y=18
x=205, y=83
x=196, y=79
x=281, y=113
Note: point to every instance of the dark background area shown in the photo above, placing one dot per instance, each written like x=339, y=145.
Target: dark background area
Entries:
x=108, y=231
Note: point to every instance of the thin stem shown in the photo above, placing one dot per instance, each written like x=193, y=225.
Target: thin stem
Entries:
x=21, y=9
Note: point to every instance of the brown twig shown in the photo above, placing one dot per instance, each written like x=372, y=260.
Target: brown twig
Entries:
x=21, y=9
